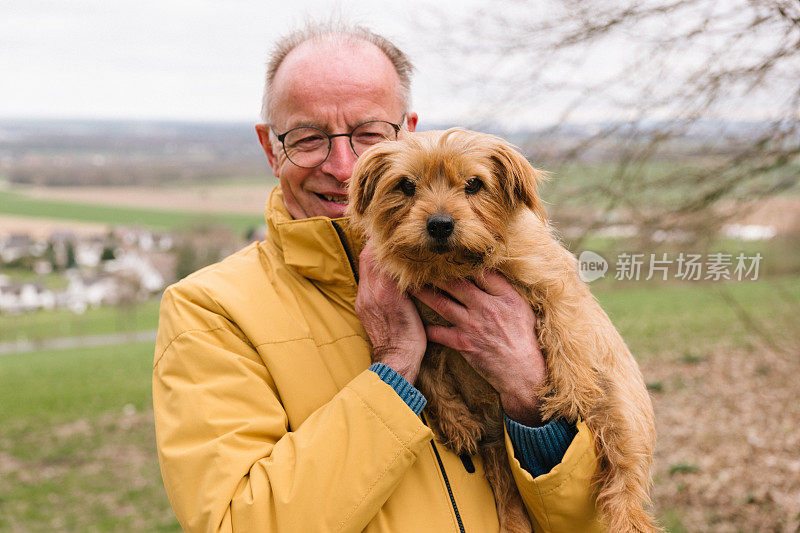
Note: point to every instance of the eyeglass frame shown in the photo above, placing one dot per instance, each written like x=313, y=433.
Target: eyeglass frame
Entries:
x=282, y=136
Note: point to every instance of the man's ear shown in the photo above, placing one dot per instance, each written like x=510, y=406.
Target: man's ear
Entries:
x=262, y=130
x=369, y=168
x=520, y=181
x=411, y=121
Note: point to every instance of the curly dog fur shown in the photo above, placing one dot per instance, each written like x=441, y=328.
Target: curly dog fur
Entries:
x=395, y=189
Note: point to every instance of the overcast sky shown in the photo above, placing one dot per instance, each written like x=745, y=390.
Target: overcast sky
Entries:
x=172, y=59
x=203, y=60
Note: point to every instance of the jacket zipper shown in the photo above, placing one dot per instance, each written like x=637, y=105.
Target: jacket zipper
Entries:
x=446, y=482
x=449, y=489
x=347, y=252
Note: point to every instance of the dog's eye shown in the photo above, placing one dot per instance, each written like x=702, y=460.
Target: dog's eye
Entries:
x=407, y=186
x=473, y=185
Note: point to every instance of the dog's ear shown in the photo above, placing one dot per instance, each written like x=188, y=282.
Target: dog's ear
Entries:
x=520, y=181
x=368, y=170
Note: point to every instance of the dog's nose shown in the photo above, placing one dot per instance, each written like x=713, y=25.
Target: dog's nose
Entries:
x=440, y=226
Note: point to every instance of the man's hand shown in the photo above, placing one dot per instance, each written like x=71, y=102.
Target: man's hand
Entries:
x=494, y=328
x=390, y=319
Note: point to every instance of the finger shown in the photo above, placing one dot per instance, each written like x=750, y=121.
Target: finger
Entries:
x=449, y=309
x=445, y=336
x=466, y=292
x=494, y=283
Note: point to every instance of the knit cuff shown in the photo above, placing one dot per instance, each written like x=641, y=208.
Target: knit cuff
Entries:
x=539, y=449
x=413, y=398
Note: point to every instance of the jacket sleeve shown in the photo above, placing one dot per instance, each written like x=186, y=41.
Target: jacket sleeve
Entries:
x=562, y=499
x=228, y=459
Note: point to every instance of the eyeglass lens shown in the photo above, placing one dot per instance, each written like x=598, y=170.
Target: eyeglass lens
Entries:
x=309, y=147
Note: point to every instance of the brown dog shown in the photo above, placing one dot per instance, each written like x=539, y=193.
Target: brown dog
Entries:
x=448, y=205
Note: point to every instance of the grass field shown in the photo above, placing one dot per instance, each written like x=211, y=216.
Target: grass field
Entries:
x=77, y=449
x=64, y=323
x=656, y=182
x=13, y=203
x=683, y=319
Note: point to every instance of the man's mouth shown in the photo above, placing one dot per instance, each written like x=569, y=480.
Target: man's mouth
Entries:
x=341, y=200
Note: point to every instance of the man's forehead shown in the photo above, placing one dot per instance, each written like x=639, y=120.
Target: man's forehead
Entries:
x=334, y=53
x=323, y=74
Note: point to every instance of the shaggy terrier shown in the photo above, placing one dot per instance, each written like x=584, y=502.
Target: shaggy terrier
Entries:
x=449, y=205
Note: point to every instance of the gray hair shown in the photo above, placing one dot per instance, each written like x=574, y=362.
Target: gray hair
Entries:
x=343, y=34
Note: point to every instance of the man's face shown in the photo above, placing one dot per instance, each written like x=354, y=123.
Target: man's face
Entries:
x=334, y=88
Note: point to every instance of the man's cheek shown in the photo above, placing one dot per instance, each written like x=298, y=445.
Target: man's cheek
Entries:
x=280, y=161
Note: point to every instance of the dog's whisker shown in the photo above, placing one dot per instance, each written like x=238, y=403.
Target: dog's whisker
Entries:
x=412, y=259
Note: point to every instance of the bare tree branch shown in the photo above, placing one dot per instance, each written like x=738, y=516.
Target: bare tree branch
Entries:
x=700, y=96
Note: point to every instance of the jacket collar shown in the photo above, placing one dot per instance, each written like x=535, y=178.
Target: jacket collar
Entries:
x=318, y=248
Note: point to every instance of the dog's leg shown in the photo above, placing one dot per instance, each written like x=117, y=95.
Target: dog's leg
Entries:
x=510, y=509
x=624, y=458
x=610, y=395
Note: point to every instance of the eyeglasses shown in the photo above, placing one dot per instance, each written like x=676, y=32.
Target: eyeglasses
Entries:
x=309, y=147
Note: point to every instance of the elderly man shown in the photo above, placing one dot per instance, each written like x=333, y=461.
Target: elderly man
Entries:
x=283, y=389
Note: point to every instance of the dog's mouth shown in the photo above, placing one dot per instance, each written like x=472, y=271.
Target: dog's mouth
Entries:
x=476, y=258
x=441, y=248
x=473, y=258
x=420, y=265
x=457, y=256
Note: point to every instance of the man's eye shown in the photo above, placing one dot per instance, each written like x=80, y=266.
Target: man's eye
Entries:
x=407, y=186
x=369, y=138
x=473, y=185
x=309, y=140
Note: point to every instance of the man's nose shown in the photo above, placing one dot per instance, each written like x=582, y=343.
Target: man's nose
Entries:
x=341, y=160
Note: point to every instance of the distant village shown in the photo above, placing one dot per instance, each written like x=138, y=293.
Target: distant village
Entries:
x=126, y=265
x=66, y=270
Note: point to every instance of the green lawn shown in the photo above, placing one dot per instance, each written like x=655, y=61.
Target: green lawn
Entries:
x=94, y=321
x=656, y=182
x=51, y=387
x=77, y=447
x=19, y=204
x=688, y=319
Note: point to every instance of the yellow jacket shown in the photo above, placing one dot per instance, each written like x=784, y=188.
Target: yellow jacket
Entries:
x=267, y=418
